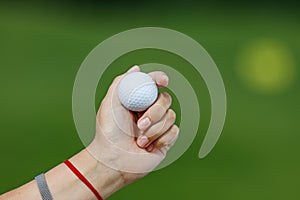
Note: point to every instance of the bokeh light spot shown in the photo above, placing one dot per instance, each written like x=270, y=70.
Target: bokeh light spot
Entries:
x=267, y=66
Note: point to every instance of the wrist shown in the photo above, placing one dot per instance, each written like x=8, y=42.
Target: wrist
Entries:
x=106, y=180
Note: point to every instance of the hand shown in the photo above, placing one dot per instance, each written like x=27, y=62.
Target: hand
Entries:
x=134, y=142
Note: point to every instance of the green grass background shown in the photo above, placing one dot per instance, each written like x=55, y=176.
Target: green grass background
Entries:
x=43, y=45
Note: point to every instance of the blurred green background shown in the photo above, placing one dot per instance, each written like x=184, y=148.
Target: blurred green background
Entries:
x=255, y=45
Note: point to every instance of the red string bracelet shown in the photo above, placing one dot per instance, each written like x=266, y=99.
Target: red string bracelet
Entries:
x=83, y=179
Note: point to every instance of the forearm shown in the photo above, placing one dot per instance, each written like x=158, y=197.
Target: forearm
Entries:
x=63, y=184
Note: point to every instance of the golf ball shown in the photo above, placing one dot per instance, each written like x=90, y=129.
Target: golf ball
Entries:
x=137, y=91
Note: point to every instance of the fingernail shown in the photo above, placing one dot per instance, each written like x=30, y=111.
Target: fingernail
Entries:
x=144, y=124
x=133, y=69
x=164, y=80
x=142, y=140
x=150, y=148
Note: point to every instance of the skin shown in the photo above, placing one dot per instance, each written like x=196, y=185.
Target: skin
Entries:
x=151, y=134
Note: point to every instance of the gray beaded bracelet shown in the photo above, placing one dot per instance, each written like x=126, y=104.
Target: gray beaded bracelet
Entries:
x=43, y=187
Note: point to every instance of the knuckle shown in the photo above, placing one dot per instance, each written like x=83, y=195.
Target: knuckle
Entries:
x=175, y=129
x=166, y=98
x=161, y=72
x=152, y=137
x=159, y=143
x=172, y=114
x=117, y=78
x=155, y=112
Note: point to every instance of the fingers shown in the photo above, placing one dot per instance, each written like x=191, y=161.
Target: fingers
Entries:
x=160, y=78
x=157, y=123
x=156, y=130
x=155, y=112
x=166, y=141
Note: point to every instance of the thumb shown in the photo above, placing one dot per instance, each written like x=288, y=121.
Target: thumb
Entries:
x=117, y=80
x=112, y=88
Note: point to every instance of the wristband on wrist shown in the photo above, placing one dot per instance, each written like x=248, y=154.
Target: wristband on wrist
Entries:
x=43, y=187
x=83, y=179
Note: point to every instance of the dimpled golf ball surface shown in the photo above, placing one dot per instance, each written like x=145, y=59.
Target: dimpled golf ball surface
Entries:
x=137, y=91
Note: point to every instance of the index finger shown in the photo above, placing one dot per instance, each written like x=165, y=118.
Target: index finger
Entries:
x=160, y=78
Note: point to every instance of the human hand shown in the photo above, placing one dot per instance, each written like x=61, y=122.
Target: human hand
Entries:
x=134, y=142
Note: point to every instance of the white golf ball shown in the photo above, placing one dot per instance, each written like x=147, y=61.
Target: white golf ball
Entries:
x=137, y=91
